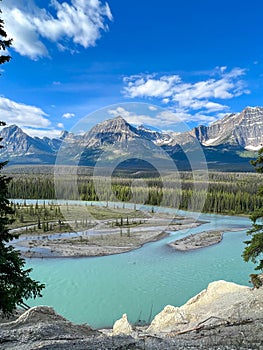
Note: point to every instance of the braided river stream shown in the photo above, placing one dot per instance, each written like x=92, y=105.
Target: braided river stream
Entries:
x=99, y=290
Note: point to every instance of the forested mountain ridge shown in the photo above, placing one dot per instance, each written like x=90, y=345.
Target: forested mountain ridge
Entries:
x=229, y=142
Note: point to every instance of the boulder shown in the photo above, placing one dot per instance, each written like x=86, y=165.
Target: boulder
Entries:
x=122, y=326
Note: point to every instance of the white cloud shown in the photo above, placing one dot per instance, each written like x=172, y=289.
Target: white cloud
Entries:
x=5, y=52
x=68, y=115
x=21, y=114
x=51, y=133
x=119, y=111
x=60, y=125
x=80, y=21
x=33, y=120
x=214, y=107
x=161, y=119
x=131, y=117
x=177, y=117
x=149, y=86
x=173, y=89
x=152, y=108
x=223, y=68
x=190, y=101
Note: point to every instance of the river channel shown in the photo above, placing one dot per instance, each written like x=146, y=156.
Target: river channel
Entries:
x=140, y=283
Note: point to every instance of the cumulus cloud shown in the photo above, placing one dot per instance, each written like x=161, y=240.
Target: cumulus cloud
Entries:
x=22, y=115
x=51, y=132
x=159, y=119
x=120, y=111
x=150, y=86
x=189, y=100
x=60, y=125
x=152, y=108
x=131, y=117
x=31, y=119
x=68, y=115
x=78, y=20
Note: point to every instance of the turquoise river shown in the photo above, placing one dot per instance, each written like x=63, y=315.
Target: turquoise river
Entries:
x=140, y=283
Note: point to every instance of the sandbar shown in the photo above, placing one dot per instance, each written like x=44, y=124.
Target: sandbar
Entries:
x=199, y=240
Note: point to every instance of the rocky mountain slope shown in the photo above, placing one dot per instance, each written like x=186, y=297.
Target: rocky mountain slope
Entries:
x=223, y=316
x=229, y=142
x=118, y=130
x=241, y=129
x=18, y=147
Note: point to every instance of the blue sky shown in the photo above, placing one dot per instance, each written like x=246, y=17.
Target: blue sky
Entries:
x=199, y=60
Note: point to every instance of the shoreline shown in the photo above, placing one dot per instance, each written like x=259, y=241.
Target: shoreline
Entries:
x=200, y=240
x=101, y=241
x=221, y=316
x=120, y=205
x=92, y=253
x=197, y=241
x=113, y=243
x=106, y=235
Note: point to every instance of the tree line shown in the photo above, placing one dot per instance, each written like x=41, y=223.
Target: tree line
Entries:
x=226, y=193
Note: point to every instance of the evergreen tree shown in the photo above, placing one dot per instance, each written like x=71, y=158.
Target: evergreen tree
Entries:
x=4, y=42
x=254, y=249
x=15, y=283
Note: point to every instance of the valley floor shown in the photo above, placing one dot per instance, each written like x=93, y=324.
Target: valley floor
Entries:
x=102, y=239
x=104, y=231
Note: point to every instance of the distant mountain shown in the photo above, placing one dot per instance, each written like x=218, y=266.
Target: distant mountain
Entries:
x=115, y=138
x=228, y=144
x=18, y=147
x=243, y=129
x=109, y=132
x=118, y=130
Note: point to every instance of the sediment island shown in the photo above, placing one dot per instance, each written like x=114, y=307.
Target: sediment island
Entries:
x=198, y=240
x=100, y=231
x=108, y=231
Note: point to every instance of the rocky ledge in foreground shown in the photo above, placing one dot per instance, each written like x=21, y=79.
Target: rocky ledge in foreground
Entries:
x=223, y=316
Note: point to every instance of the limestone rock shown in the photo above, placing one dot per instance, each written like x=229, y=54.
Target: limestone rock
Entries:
x=232, y=316
x=122, y=326
x=167, y=319
x=222, y=302
x=39, y=314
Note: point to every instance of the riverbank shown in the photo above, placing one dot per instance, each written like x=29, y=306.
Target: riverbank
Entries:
x=221, y=317
x=200, y=240
x=91, y=246
x=91, y=231
x=103, y=238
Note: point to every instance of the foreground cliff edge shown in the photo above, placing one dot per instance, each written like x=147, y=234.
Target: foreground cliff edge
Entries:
x=223, y=316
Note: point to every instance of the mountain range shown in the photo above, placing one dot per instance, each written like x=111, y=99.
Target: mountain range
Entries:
x=228, y=144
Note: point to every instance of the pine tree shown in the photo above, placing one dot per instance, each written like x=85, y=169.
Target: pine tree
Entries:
x=254, y=249
x=15, y=283
x=4, y=42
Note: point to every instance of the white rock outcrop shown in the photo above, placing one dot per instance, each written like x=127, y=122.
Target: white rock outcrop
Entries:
x=227, y=315
x=221, y=302
x=122, y=326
